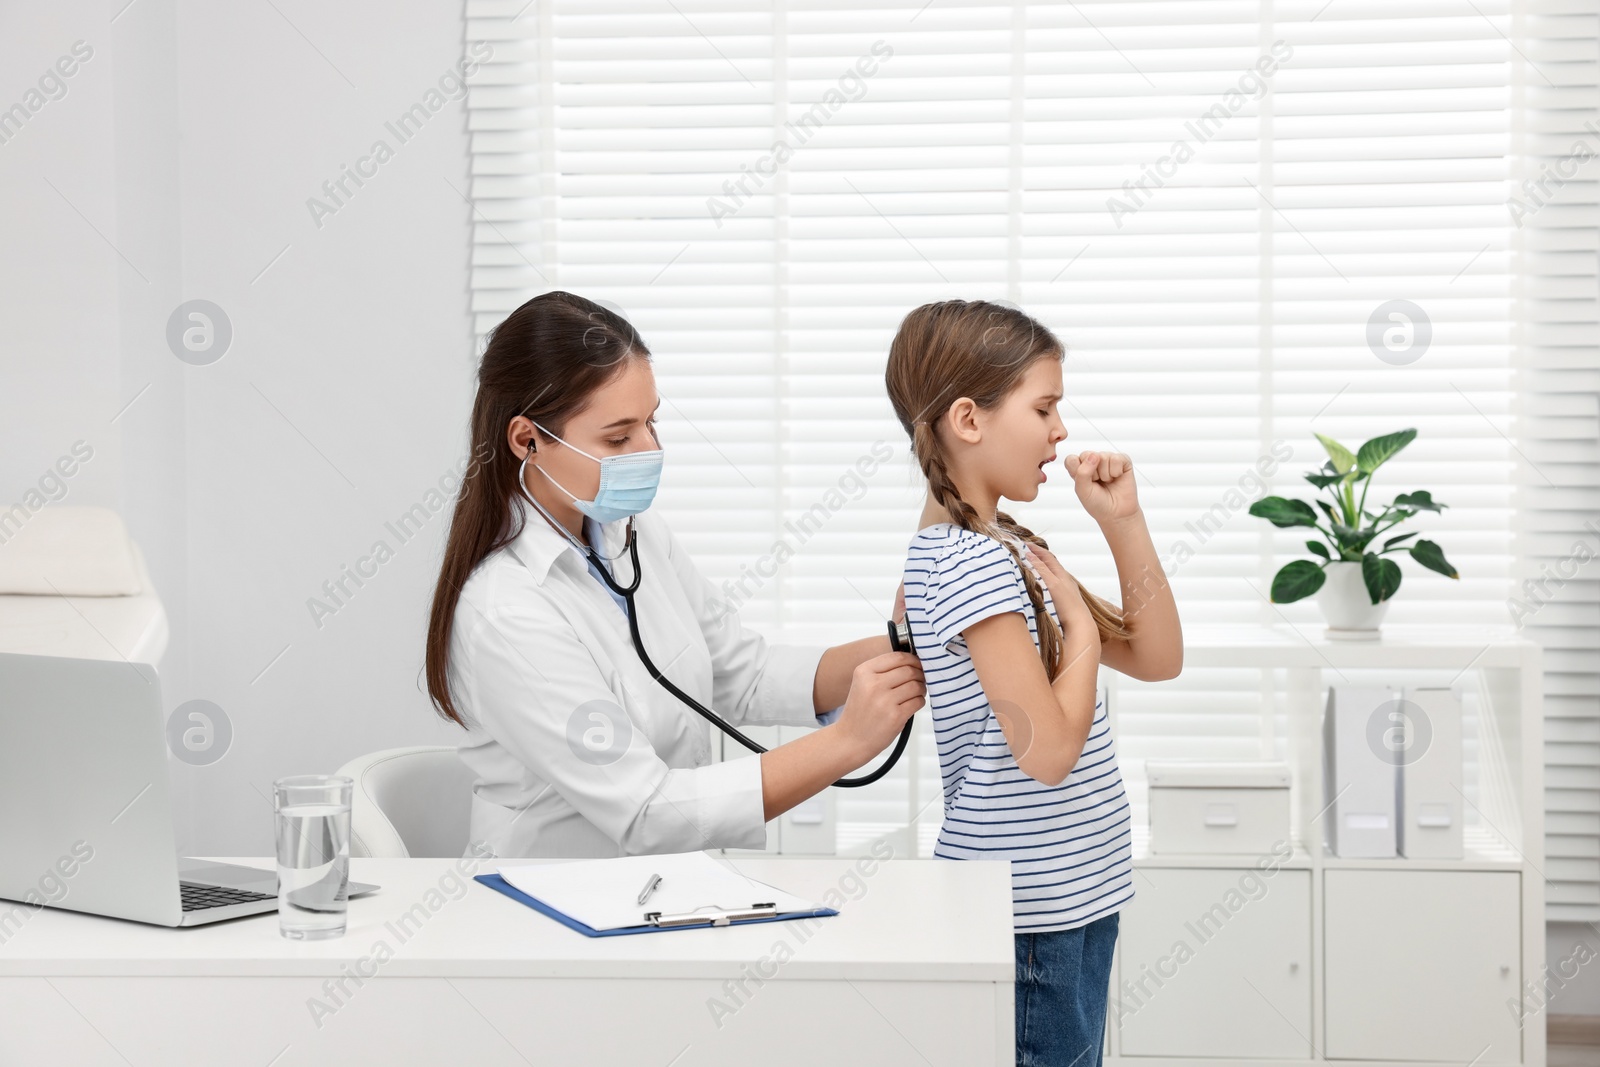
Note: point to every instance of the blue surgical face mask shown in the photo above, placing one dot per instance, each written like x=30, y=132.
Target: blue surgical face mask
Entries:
x=628, y=483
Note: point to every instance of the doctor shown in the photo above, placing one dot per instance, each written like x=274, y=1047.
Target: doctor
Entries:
x=578, y=751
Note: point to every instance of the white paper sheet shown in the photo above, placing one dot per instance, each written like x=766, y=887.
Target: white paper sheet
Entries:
x=602, y=894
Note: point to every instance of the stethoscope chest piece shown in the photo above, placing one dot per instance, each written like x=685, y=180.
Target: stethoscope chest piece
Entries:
x=900, y=636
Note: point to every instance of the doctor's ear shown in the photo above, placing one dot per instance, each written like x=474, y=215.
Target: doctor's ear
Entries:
x=520, y=444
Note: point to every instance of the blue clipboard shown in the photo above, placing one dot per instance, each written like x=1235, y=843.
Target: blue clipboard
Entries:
x=500, y=885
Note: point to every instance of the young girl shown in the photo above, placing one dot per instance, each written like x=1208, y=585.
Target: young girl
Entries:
x=1030, y=772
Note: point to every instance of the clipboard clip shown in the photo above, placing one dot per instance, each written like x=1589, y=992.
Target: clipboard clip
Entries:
x=700, y=917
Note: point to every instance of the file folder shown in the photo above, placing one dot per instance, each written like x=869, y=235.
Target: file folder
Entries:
x=598, y=898
x=1430, y=787
x=1360, y=772
x=495, y=882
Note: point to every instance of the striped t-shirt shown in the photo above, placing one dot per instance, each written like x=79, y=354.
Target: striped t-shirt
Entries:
x=1069, y=845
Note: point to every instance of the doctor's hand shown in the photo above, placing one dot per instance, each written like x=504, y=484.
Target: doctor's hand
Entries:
x=885, y=691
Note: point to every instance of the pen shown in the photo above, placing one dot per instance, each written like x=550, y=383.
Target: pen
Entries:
x=649, y=887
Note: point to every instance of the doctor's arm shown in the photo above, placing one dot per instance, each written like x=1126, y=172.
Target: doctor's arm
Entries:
x=836, y=670
x=883, y=692
x=543, y=697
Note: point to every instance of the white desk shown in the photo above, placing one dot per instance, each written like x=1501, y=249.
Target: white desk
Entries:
x=917, y=969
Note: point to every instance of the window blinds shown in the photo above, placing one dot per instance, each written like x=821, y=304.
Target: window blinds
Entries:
x=1218, y=206
x=1556, y=593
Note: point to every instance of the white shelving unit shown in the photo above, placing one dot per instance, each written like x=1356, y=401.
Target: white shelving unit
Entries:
x=1389, y=963
x=1393, y=962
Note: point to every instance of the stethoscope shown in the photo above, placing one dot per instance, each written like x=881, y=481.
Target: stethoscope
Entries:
x=899, y=640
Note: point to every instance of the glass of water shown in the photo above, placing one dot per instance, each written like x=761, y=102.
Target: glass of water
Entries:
x=313, y=832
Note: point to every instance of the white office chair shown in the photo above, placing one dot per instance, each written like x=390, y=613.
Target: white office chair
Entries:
x=409, y=802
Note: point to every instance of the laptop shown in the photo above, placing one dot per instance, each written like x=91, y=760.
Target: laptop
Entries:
x=85, y=808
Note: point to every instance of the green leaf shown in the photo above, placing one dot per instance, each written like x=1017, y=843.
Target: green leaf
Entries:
x=1377, y=451
x=1356, y=540
x=1431, y=556
x=1322, y=481
x=1284, y=513
x=1381, y=575
x=1319, y=549
x=1296, y=581
x=1343, y=459
x=1387, y=545
x=1328, y=511
x=1421, y=500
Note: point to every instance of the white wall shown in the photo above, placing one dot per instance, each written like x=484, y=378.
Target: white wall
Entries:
x=344, y=395
x=59, y=277
x=90, y=268
x=191, y=140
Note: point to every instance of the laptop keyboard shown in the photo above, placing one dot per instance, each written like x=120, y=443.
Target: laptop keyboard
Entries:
x=198, y=897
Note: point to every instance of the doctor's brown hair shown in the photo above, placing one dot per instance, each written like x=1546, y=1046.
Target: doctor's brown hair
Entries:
x=979, y=350
x=544, y=362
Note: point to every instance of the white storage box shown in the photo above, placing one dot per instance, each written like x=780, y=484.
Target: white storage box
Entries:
x=1360, y=774
x=1217, y=808
x=1428, y=805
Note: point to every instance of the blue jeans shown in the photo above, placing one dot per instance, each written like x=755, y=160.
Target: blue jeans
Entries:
x=1063, y=981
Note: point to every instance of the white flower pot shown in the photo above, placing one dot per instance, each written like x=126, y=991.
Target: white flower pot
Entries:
x=1346, y=605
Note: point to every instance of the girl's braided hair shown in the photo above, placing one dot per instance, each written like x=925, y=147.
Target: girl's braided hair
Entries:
x=979, y=350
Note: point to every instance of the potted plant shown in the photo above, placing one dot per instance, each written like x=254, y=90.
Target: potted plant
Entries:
x=1353, y=583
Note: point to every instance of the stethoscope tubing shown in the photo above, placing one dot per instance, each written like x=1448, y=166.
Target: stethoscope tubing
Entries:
x=627, y=593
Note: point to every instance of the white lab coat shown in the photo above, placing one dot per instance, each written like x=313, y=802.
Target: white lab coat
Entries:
x=539, y=648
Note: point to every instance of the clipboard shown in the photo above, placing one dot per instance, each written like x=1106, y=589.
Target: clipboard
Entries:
x=678, y=921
